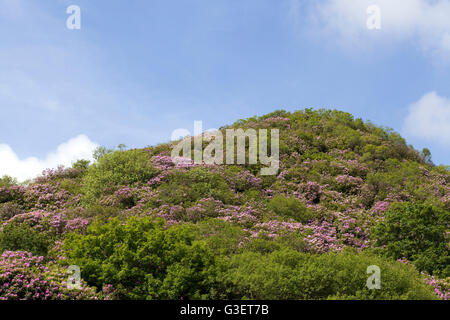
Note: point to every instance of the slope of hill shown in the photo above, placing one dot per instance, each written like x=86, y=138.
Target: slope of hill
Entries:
x=348, y=195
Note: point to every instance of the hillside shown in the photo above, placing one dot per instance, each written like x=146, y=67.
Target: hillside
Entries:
x=348, y=195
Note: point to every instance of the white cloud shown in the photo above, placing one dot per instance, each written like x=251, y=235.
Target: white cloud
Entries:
x=80, y=147
x=429, y=119
x=425, y=22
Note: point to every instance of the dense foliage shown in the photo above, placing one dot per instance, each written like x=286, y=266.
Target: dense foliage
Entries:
x=143, y=260
x=289, y=274
x=348, y=195
x=417, y=233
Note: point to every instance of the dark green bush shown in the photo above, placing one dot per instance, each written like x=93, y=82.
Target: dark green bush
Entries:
x=416, y=232
x=144, y=260
x=221, y=237
x=115, y=169
x=101, y=213
x=190, y=186
x=22, y=237
x=287, y=274
x=289, y=208
x=81, y=164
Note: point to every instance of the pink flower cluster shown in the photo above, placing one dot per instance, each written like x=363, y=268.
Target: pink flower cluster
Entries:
x=243, y=216
x=58, y=173
x=164, y=162
x=245, y=180
x=12, y=193
x=349, y=182
x=380, y=207
x=48, y=221
x=441, y=286
x=310, y=191
x=26, y=277
x=46, y=197
x=319, y=236
x=446, y=201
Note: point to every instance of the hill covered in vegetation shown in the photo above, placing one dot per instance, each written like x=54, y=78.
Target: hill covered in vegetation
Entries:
x=348, y=195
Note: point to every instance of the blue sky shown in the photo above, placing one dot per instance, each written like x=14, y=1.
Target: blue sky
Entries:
x=137, y=70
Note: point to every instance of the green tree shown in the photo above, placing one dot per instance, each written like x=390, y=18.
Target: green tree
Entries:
x=116, y=169
x=416, y=232
x=144, y=260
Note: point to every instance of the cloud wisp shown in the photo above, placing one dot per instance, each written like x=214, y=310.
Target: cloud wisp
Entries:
x=422, y=22
x=80, y=147
x=428, y=119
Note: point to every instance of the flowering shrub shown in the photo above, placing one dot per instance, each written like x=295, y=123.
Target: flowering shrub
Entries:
x=243, y=180
x=55, y=223
x=12, y=193
x=36, y=231
x=312, y=191
x=441, y=286
x=9, y=210
x=318, y=237
x=446, y=201
x=243, y=216
x=380, y=207
x=205, y=208
x=24, y=276
x=46, y=197
x=162, y=162
x=59, y=173
x=125, y=197
x=347, y=183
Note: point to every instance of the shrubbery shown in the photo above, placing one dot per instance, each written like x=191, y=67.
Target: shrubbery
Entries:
x=25, y=276
x=190, y=186
x=7, y=181
x=115, y=169
x=288, y=274
x=143, y=260
x=289, y=208
x=418, y=233
x=22, y=237
x=9, y=210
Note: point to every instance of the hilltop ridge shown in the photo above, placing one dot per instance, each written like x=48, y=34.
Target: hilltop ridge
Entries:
x=348, y=194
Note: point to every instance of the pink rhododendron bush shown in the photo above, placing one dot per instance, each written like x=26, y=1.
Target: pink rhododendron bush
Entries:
x=24, y=276
x=347, y=195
